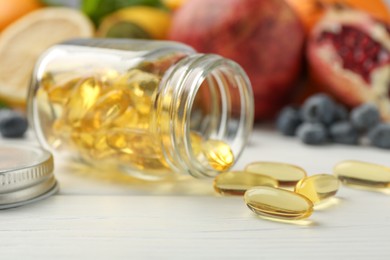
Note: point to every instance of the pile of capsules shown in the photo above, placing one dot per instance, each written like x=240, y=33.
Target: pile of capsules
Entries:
x=100, y=118
x=109, y=117
x=266, y=186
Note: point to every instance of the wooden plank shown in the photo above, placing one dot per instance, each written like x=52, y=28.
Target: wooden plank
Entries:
x=98, y=215
x=119, y=227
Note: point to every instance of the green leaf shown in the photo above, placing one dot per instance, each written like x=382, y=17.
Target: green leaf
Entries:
x=3, y=105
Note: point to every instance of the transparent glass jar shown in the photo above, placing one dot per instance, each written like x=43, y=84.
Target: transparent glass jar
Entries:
x=147, y=108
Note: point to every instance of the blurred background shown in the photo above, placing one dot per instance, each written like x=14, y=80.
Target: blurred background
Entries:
x=291, y=49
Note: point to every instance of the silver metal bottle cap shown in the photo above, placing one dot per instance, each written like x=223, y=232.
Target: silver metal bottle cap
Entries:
x=26, y=175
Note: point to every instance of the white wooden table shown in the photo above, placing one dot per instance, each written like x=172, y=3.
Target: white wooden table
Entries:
x=96, y=216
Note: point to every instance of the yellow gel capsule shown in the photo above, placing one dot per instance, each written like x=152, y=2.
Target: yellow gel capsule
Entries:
x=144, y=121
x=363, y=174
x=137, y=148
x=286, y=174
x=83, y=97
x=107, y=76
x=61, y=93
x=129, y=119
x=101, y=150
x=237, y=182
x=142, y=88
x=218, y=154
x=106, y=109
x=278, y=203
x=134, y=142
x=83, y=140
x=318, y=187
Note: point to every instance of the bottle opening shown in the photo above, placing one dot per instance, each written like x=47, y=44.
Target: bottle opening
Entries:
x=210, y=114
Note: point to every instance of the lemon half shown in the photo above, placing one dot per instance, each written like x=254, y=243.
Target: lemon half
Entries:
x=23, y=41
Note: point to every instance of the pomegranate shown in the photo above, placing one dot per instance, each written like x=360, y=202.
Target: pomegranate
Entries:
x=264, y=36
x=349, y=56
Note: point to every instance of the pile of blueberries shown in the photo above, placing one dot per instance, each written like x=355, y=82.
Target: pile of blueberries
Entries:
x=321, y=120
x=13, y=124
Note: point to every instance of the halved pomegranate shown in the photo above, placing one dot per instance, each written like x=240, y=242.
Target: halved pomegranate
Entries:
x=349, y=56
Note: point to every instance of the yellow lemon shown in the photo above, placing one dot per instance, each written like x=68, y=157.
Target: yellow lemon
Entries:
x=137, y=22
x=23, y=41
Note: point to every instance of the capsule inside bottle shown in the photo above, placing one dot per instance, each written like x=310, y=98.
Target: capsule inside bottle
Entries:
x=218, y=154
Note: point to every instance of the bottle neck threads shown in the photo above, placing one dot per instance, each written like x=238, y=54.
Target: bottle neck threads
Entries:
x=208, y=95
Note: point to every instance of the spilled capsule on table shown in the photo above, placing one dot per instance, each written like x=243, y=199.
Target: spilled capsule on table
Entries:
x=286, y=174
x=363, y=174
x=278, y=203
x=237, y=182
x=318, y=187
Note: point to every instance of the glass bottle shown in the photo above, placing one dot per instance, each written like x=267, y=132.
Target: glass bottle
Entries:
x=146, y=108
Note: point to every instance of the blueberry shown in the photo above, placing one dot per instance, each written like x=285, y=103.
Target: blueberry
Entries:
x=288, y=121
x=365, y=117
x=12, y=124
x=319, y=108
x=340, y=113
x=344, y=132
x=312, y=133
x=379, y=136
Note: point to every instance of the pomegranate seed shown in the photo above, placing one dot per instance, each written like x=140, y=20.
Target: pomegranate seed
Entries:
x=368, y=65
x=359, y=56
x=359, y=52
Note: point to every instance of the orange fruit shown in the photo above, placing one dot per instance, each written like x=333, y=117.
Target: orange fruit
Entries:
x=310, y=11
x=11, y=10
